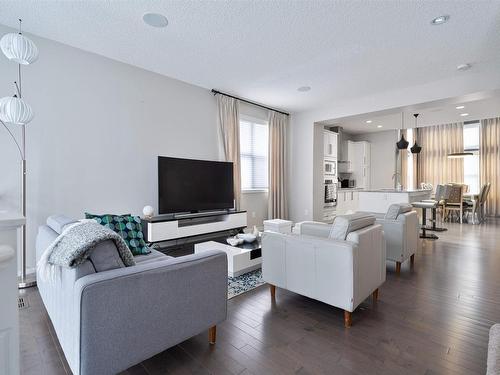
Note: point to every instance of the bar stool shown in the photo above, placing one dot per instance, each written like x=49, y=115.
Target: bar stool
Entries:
x=424, y=206
x=442, y=193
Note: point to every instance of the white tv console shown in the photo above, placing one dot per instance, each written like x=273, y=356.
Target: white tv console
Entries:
x=171, y=227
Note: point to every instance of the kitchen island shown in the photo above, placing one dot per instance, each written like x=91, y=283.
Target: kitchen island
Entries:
x=379, y=200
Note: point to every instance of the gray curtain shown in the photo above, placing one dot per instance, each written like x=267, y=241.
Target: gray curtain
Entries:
x=229, y=132
x=489, y=162
x=277, y=199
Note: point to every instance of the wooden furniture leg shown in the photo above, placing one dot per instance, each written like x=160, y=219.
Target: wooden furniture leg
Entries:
x=212, y=334
x=412, y=259
x=398, y=267
x=375, y=295
x=347, y=319
x=272, y=288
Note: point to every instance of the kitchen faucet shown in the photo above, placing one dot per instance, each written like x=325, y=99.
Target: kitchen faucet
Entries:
x=397, y=177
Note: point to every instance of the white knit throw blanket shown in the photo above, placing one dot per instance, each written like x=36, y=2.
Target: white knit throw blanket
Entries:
x=74, y=245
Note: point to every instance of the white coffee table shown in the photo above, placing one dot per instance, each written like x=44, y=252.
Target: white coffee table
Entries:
x=240, y=260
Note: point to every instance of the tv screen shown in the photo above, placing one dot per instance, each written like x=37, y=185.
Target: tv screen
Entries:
x=186, y=185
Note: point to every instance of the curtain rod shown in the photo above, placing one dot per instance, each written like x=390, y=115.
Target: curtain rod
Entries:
x=250, y=102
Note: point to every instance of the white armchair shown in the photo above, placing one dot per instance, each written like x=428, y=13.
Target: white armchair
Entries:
x=340, y=264
x=401, y=227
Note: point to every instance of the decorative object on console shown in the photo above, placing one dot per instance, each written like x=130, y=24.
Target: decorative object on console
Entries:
x=247, y=237
x=235, y=241
x=15, y=111
x=128, y=227
x=415, y=149
x=148, y=211
x=402, y=144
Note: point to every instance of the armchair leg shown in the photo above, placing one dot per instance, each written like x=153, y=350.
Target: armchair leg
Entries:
x=347, y=319
x=212, y=334
x=272, y=289
x=412, y=259
x=398, y=267
x=375, y=295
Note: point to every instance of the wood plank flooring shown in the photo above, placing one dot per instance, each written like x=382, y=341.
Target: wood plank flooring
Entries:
x=432, y=319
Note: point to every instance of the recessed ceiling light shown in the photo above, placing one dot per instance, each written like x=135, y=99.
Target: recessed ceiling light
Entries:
x=155, y=19
x=463, y=67
x=368, y=121
x=440, y=20
x=379, y=126
x=304, y=88
x=464, y=114
x=460, y=107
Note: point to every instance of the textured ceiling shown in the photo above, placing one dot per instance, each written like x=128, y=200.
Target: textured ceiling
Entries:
x=265, y=50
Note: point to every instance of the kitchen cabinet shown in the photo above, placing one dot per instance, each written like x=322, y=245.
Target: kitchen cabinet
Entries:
x=347, y=201
x=330, y=144
x=360, y=160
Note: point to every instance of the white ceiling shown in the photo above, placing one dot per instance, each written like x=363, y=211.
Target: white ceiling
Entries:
x=265, y=50
x=477, y=106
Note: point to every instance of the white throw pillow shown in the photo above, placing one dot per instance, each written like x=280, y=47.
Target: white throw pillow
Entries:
x=345, y=224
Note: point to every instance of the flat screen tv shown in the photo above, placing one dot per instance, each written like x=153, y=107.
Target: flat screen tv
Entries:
x=187, y=185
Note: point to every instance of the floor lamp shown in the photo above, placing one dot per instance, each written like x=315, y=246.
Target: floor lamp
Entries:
x=14, y=111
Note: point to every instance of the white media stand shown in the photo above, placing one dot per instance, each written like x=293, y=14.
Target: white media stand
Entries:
x=171, y=227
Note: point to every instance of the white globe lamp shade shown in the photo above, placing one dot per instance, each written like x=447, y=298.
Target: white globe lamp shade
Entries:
x=148, y=211
x=15, y=111
x=18, y=48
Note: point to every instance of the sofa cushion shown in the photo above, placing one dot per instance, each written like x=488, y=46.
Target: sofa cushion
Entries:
x=154, y=256
x=396, y=209
x=128, y=227
x=105, y=257
x=345, y=224
x=58, y=222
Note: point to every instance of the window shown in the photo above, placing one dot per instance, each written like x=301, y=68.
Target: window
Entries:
x=253, y=154
x=471, y=163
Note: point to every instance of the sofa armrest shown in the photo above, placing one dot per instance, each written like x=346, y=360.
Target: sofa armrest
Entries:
x=130, y=314
x=313, y=228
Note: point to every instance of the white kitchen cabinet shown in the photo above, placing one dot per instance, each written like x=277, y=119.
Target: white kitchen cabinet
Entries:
x=347, y=201
x=330, y=144
x=360, y=159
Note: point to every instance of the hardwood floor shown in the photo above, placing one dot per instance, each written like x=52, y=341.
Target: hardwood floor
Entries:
x=432, y=319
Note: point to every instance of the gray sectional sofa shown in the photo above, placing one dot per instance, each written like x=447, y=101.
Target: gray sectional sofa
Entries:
x=108, y=317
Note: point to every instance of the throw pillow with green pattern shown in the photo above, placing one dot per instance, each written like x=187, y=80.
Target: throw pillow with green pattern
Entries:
x=128, y=227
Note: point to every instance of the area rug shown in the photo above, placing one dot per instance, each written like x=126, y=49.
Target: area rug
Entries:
x=244, y=283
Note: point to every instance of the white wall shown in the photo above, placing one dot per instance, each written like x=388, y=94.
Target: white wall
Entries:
x=98, y=128
x=383, y=157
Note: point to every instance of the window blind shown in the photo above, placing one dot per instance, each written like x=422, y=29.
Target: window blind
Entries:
x=254, y=155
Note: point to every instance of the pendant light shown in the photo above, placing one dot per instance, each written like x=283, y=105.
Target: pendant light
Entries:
x=18, y=48
x=403, y=143
x=415, y=149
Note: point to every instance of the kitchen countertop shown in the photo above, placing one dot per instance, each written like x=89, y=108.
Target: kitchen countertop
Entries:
x=395, y=191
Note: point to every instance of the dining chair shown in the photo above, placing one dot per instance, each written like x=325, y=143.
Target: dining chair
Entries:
x=482, y=203
x=454, y=203
x=426, y=186
x=472, y=204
